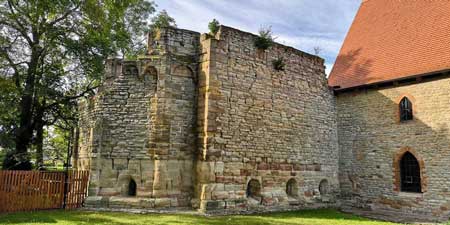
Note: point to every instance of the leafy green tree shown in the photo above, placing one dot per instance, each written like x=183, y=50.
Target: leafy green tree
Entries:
x=162, y=19
x=51, y=54
x=55, y=147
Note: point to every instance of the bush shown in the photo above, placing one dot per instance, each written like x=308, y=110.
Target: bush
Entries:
x=13, y=161
x=265, y=39
x=278, y=64
x=213, y=26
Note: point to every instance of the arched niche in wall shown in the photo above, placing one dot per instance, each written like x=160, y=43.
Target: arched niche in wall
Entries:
x=324, y=187
x=128, y=186
x=130, y=68
x=182, y=86
x=149, y=75
x=292, y=188
x=182, y=71
x=253, y=189
x=132, y=187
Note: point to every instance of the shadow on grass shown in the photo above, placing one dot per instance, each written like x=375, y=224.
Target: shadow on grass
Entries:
x=56, y=217
x=322, y=216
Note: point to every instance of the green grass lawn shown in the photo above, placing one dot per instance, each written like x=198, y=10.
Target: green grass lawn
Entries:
x=307, y=217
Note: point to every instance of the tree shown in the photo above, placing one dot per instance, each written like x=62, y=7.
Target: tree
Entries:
x=52, y=53
x=162, y=19
x=56, y=141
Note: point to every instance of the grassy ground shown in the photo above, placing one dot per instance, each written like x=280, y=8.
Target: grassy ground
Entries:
x=307, y=217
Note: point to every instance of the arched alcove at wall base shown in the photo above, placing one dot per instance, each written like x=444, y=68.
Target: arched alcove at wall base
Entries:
x=132, y=188
x=292, y=188
x=253, y=189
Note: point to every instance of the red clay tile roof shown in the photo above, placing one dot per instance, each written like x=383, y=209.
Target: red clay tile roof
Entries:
x=394, y=39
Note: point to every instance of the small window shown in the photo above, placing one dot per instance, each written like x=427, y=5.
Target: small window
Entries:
x=132, y=188
x=410, y=173
x=292, y=188
x=253, y=188
x=406, y=110
x=323, y=187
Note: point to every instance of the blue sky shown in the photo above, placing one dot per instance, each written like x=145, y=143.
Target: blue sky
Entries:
x=302, y=24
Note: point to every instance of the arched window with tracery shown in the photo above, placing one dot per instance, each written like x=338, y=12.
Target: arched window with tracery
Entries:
x=406, y=109
x=410, y=174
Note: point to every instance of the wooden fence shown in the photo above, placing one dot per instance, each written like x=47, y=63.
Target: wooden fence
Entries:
x=34, y=190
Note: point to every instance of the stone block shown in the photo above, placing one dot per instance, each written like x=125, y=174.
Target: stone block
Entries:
x=163, y=202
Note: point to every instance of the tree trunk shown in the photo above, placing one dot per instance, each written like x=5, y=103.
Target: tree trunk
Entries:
x=24, y=133
x=39, y=141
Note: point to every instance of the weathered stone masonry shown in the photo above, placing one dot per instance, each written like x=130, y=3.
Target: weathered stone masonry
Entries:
x=262, y=124
x=207, y=122
x=372, y=140
x=196, y=119
x=141, y=126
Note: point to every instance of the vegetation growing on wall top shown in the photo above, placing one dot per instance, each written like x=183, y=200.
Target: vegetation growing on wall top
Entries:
x=213, y=26
x=265, y=39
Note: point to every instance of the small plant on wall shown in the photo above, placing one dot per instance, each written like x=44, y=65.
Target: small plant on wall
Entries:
x=265, y=39
x=213, y=27
x=278, y=64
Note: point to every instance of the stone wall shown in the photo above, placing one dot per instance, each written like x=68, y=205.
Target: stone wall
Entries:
x=257, y=123
x=141, y=126
x=198, y=118
x=372, y=139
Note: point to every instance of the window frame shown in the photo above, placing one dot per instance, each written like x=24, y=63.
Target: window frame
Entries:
x=410, y=180
x=396, y=164
x=406, y=110
x=397, y=109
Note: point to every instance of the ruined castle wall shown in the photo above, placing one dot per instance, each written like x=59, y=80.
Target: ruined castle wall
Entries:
x=259, y=123
x=114, y=132
x=141, y=126
x=371, y=140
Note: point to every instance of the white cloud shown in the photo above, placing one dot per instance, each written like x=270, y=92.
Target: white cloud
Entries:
x=302, y=24
x=307, y=44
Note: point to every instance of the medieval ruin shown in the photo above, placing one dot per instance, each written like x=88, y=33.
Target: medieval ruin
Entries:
x=207, y=122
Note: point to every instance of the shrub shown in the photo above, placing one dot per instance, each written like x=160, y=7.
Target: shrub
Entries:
x=265, y=39
x=278, y=64
x=213, y=26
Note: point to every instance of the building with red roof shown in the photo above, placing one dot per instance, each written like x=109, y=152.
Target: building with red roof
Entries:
x=392, y=87
x=394, y=40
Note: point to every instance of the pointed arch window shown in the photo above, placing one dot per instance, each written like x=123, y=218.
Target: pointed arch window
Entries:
x=410, y=173
x=406, y=109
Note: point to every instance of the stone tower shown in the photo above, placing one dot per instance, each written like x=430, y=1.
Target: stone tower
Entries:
x=139, y=130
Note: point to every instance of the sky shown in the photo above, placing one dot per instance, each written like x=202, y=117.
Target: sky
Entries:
x=303, y=24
